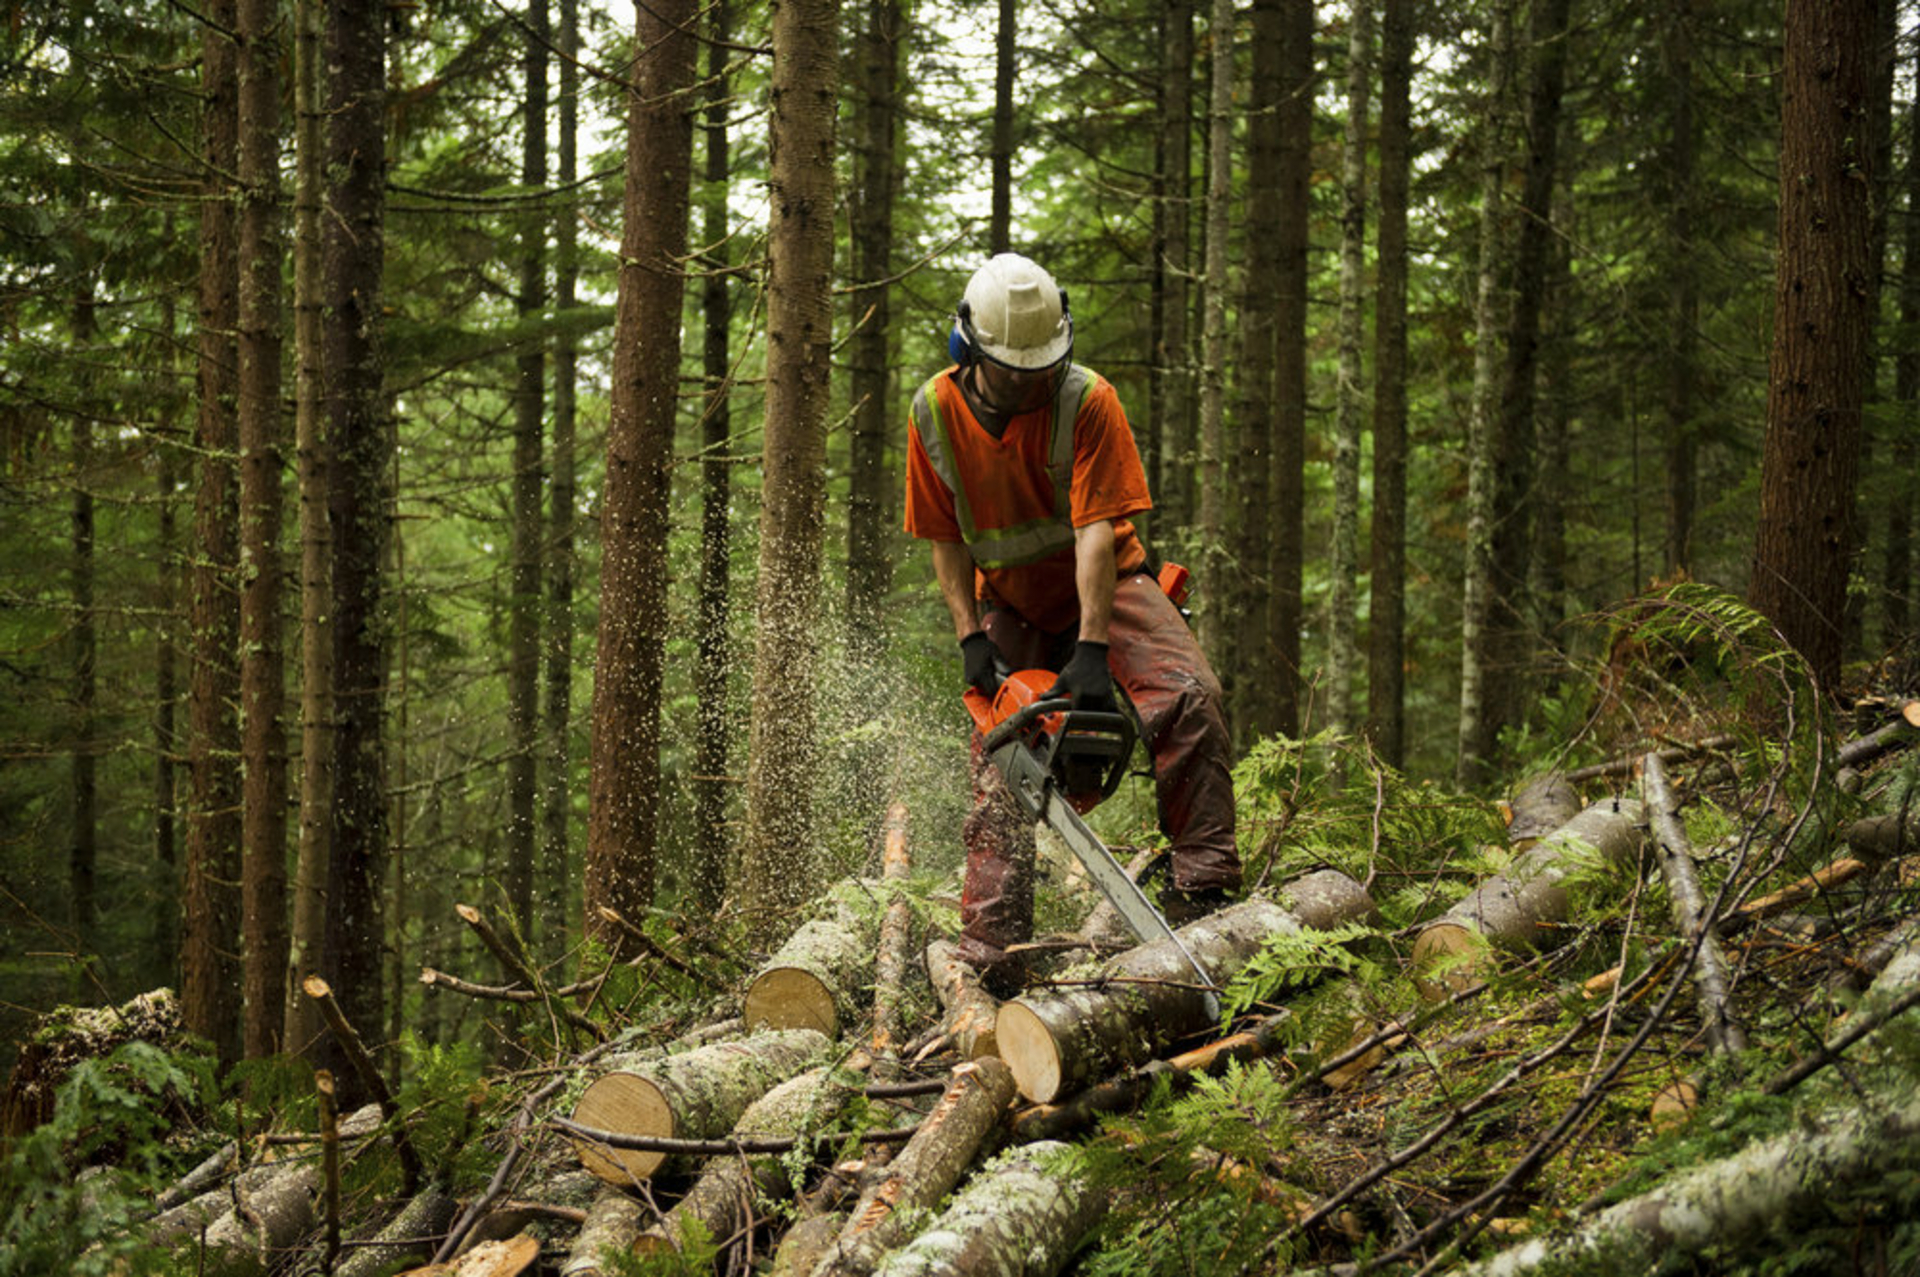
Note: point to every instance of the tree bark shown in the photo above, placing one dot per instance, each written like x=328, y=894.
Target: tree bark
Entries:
x=83, y=847
x=301, y=1019
x=524, y=599
x=262, y=436
x=1510, y=908
x=1683, y=290
x=1000, y=146
x=817, y=978
x=1216, y=621
x=1822, y=321
x=210, y=994
x=925, y=1170
x=1343, y=568
x=781, y=751
x=624, y=773
x=1061, y=1040
x=1900, y=588
x=698, y=1094
x=352, y=256
x=1022, y=1216
x=613, y=1222
x=1387, y=606
x=969, y=1009
x=1169, y=432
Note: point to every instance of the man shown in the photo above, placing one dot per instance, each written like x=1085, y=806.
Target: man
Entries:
x=1022, y=473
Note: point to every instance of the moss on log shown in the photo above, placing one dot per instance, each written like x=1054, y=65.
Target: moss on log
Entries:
x=925, y=1170
x=1021, y=1216
x=1508, y=909
x=699, y=1094
x=408, y=1238
x=1061, y=1040
x=820, y=977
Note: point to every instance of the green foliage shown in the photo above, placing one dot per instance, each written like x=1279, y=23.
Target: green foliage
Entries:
x=695, y=1257
x=1288, y=962
x=57, y=1216
x=1188, y=1180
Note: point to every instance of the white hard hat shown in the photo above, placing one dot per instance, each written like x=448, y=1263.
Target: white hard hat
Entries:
x=1014, y=314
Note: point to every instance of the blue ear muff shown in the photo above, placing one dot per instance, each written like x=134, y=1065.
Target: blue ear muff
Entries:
x=957, y=348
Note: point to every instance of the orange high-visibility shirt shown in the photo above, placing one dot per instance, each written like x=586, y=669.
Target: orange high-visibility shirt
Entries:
x=1002, y=496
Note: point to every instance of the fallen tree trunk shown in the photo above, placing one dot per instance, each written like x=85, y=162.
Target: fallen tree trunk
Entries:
x=1508, y=909
x=1021, y=1217
x=1740, y=1198
x=816, y=979
x=696, y=1095
x=409, y=1238
x=722, y=1198
x=1060, y=1040
x=926, y=1169
x=1688, y=910
x=613, y=1221
x=970, y=1009
x=1542, y=806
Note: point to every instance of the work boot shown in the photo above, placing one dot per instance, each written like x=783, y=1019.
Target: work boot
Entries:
x=1002, y=974
x=1182, y=906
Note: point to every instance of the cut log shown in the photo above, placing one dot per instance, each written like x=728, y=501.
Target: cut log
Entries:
x=409, y=1238
x=721, y=1197
x=1058, y=1041
x=1689, y=913
x=926, y=1169
x=613, y=1221
x=1878, y=839
x=1021, y=1216
x=61, y=1039
x=1508, y=909
x=1543, y=805
x=1325, y=900
x=896, y=938
x=970, y=1009
x=696, y=1095
x=1739, y=1198
x=818, y=978
x=805, y=1244
x=489, y=1259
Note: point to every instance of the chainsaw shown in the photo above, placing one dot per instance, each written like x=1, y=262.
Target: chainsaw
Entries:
x=1060, y=763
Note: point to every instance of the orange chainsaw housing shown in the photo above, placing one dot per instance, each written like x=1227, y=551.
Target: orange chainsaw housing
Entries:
x=1080, y=783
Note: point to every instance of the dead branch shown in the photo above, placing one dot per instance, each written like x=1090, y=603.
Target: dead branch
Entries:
x=1689, y=912
x=369, y=1074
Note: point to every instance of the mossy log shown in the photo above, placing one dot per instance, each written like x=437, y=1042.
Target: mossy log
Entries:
x=64, y=1037
x=804, y=1245
x=408, y=1238
x=1688, y=909
x=1509, y=909
x=926, y=1169
x=267, y=1223
x=613, y=1221
x=1738, y=1199
x=699, y=1094
x=1060, y=1040
x=720, y=1200
x=969, y=1009
x=1022, y=1216
x=821, y=976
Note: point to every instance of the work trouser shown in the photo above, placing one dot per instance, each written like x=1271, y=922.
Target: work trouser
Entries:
x=1161, y=670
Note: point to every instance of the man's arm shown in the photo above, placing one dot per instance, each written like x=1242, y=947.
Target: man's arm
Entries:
x=1094, y=569
x=953, y=569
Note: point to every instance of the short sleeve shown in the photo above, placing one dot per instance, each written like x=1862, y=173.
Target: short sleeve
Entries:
x=1108, y=479
x=929, y=504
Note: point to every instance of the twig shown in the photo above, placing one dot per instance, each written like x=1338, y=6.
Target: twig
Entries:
x=369, y=1074
x=1832, y=1050
x=652, y=946
x=717, y=1148
x=1625, y=766
x=329, y=1164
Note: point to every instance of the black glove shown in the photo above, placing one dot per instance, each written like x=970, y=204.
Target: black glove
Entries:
x=1086, y=680
x=980, y=661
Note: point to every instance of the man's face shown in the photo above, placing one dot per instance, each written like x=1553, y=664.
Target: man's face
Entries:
x=1010, y=390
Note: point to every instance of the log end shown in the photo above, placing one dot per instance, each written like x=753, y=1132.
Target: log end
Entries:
x=1027, y=1046
x=1448, y=958
x=790, y=998
x=626, y=1104
x=1673, y=1106
x=1911, y=713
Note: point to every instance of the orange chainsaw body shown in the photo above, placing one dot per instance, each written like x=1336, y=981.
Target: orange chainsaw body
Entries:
x=1085, y=763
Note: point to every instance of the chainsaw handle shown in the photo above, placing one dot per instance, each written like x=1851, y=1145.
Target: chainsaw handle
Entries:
x=1022, y=717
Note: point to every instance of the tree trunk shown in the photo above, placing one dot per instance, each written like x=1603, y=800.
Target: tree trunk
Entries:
x=556, y=872
x=869, y=481
x=926, y=1169
x=695, y=1095
x=1061, y=1040
x=624, y=776
x=210, y=970
x=1683, y=288
x=407, y=1238
x=1510, y=908
x=313, y=459
x=1170, y=430
x=895, y=952
x=165, y=942
x=1900, y=588
x=1217, y=619
x=714, y=660
x=1023, y=1216
x=524, y=601
x=1344, y=568
x=1286, y=535
x=1387, y=605
x=613, y=1221
x=84, y=833
x=1000, y=147
x=780, y=774
x=1477, y=592
x=352, y=255
x=262, y=431
x=1822, y=320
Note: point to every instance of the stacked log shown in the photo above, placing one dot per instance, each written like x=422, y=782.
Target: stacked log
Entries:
x=698, y=1094
x=1022, y=1216
x=969, y=1010
x=818, y=979
x=1511, y=909
x=1061, y=1040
